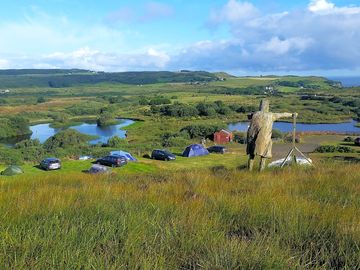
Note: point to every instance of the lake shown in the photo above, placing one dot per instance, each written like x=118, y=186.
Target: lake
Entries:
x=348, y=127
x=44, y=131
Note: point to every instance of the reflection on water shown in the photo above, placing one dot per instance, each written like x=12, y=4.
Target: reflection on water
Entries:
x=348, y=127
x=43, y=131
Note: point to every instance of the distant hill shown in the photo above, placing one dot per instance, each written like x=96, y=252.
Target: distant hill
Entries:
x=224, y=75
x=72, y=77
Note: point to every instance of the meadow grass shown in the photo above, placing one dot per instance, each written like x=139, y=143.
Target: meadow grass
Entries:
x=217, y=218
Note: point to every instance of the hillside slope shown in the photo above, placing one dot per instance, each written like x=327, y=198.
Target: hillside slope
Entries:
x=218, y=218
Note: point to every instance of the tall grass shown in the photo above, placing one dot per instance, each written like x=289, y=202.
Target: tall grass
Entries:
x=205, y=219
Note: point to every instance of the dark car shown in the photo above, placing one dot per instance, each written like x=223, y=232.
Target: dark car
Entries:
x=162, y=155
x=113, y=161
x=50, y=164
x=217, y=149
x=357, y=141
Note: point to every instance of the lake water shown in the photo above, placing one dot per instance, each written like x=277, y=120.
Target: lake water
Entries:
x=43, y=131
x=348, y=127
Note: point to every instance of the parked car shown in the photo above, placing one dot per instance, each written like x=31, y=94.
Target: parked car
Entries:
x=113, y=161
x=162, y=155
x=50, y=164
x=217, y=149
x=357, y=141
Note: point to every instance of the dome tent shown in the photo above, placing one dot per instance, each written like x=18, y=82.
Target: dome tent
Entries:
x=195, y=150
x=12, y=170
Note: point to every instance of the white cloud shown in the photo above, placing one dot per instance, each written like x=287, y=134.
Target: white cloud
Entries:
x=233, y=12
x=321, y=36
x=87, y=58
x=327, y=37
x=320, y=5
x=4, y=64
x=281, y=47
x=326, y=7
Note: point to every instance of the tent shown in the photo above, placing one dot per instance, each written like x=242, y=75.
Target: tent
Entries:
x=12, y=170
x=127, y=155
x=195, y=150
x=96, y=168
x=299, y=161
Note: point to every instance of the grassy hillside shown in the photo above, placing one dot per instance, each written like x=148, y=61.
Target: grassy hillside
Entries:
x=59, y=79
x=206, y=218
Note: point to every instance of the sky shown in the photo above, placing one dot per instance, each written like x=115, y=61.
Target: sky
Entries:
x=318, y=37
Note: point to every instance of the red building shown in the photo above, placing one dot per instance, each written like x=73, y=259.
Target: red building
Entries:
x=223, y=136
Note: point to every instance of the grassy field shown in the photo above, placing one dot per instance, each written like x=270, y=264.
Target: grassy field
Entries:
x=191, y=219
x=193, y=213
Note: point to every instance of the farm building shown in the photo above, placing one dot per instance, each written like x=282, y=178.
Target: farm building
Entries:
x=223, y=136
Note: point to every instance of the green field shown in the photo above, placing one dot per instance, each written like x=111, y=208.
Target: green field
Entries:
x=192, y=213
x=224, y=219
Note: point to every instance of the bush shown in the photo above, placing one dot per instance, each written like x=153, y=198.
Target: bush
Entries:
x=69, y=138
x=205, y=109
x=14, y=126
x=172, y=140
x=159, y=101
x=333, y=149
x=106, y=119
x=277, y=134
x=240, y=137
x=201, y=131
x=89, y=108
x=179, y=110
x=116, y=141
x=41, y=100
x=10, y=156
x=60, y=117
x=27, y=143
x=33, y=153
x=348, y=139
x=289, y=138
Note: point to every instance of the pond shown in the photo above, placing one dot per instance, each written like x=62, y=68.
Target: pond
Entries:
x=348, y=127
x=44, y=131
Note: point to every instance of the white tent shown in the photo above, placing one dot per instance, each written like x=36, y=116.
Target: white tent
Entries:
x=298, y=160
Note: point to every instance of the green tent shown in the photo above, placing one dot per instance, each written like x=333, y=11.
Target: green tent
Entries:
x=12, y=170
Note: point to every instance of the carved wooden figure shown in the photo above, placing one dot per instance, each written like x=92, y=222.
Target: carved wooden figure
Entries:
x=259, y=134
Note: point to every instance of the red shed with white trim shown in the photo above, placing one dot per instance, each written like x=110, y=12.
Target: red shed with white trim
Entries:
x=223, y=136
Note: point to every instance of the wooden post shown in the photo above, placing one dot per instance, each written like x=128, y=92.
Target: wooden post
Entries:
x=294, y=135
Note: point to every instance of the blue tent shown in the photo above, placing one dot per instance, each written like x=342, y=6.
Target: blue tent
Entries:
x=195, y=150
x=127, y=155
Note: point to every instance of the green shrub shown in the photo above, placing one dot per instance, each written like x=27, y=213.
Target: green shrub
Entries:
x=201, y=131
x=173, y=140
x=277, y=134
x=206, y=109
x=240, y=137
x=179, y=110
x=69, y=138
x=27, y=143
x=40, y=100
x=333, y=149
x=10, y=156
x=14, y=126
x=116, y=141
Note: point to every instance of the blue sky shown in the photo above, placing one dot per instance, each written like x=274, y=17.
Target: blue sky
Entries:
x=241, y=37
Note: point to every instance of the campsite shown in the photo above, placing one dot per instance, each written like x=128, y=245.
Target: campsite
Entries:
x=170, y=213
x=180, y=135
